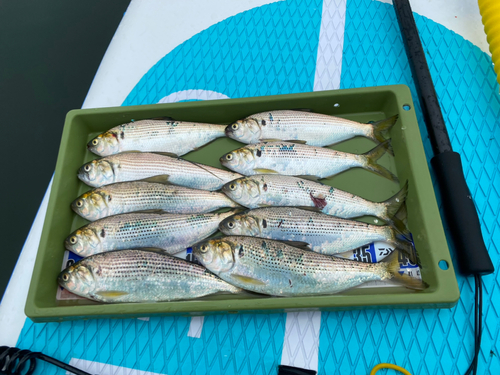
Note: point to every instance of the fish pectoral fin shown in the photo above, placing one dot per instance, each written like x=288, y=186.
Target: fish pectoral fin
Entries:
x=110, y=294
x=309, y=208
x=265, y=171
x=296, y=141
x=308, y=177
x=319, y=200
x=169, y=154
x=298, y=244
x=247, y=280
x=160, y=179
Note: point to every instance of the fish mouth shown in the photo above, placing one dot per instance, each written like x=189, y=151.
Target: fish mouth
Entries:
x=228, y=131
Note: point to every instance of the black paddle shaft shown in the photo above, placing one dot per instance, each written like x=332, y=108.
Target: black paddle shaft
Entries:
x=459, y=209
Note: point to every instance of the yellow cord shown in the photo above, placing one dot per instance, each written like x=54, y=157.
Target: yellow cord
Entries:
x=389, y=366
x=490, y=12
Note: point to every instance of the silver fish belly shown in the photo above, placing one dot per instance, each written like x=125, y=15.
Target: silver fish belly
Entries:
x=169, y=232
x=133, y=166
x=276, y=190
x=135, y=196
x=314, y=129
x=178, y=137
x=140, y=276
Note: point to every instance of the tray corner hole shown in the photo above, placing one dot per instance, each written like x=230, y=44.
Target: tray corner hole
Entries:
x=443, y=264
x=406, y=107
x=336, y=105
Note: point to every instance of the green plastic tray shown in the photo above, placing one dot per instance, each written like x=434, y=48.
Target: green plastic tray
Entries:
x=364, y=105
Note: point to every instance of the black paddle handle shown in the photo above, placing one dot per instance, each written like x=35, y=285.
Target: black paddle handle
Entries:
x=461, y=215
x=459, y=209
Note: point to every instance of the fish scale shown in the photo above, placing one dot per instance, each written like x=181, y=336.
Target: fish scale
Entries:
x=126, y=197
x=325, y=234
x=178, y=137
x=140, y=276
x=170, y=232
x=275, y=268
x=277, y=190
x=134, y=166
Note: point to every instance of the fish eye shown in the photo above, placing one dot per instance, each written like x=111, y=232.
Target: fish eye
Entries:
x=229, y=157
x=234, y=126
x=203, y=248
x=95, y=142
x=230, y=225
x=87, y=168
x=65, y=277
x=79, y=203
x=73, y=240
x=232, y=187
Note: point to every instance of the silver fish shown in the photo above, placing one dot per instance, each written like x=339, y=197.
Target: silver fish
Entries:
x=132, y=166
x=295, y=159
x=278, y=269
x=177, y=137
x=323, y=233
x=276, y=190
x=135, y=196
x=140, y=276
x=314, y=129
x=169, y=232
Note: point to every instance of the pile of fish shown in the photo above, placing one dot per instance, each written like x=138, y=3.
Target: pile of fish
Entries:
x=284, y=232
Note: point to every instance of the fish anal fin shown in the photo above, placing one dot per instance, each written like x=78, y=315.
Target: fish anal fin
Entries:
x=265, y=171
x=112, y=294
x=248, y=280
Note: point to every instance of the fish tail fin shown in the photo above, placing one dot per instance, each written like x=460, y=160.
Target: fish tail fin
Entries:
x=393, y=268
x=402, y=240
x=394, y=206
x=381, y=128
x=373, y=155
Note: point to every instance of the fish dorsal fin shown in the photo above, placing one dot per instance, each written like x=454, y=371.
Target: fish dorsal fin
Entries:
x=112, y=294
x=309, y=177
x=299, y=141
x=131, y=152
x=264, y=205
x=248, y=280
x=269, y=140
x=152, y=211
x=265, y=171
x=153, y=250
x=165, y=118
x=169, y=154
x=302, y=109
x=160, y=179
x=308, y=208
x=297, y=244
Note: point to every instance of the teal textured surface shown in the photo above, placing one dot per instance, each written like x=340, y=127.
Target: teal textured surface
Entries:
x=272, y=50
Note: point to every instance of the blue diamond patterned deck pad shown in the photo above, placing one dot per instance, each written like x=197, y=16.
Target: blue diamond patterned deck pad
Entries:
x=273, y=50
